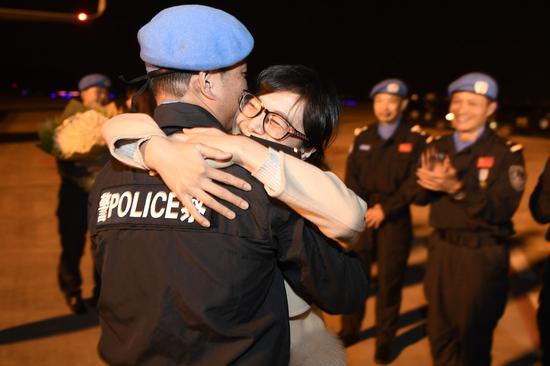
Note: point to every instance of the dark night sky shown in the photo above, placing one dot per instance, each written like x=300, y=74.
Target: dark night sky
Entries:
x=426, y=44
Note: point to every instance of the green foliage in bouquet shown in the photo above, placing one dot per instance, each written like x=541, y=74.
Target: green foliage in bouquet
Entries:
x=47, y=131
x=76, y=133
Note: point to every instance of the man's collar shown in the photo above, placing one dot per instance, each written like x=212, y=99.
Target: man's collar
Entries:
x=173, y=117
x=460, y=145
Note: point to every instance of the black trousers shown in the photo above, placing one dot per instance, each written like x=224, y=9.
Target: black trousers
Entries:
x=390, y=246
x=466, y=288
x=543, y=315
x=72, y=225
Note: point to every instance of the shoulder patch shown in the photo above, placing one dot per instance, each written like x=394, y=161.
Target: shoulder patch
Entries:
x=516, y=174
x=429, y=139
x=358, y=130
x=516, y=147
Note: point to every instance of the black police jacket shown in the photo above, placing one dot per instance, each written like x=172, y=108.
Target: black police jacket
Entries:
x=493, y=172
x=539, y=201
x=377, y=168
x=176, y=293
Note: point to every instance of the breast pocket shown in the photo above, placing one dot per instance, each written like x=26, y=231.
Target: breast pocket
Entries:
x=402, y=165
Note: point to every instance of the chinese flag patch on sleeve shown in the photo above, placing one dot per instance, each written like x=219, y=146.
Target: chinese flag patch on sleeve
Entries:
x=485, y=162
x=405, y=147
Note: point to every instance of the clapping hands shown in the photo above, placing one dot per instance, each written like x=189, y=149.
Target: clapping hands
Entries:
x=436, y=172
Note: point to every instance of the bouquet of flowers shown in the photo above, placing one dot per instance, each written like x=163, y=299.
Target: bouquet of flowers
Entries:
x=76, y=133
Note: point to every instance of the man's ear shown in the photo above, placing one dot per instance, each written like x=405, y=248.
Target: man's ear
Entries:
x=404, y=104
x=491, y=108
x=205, y=84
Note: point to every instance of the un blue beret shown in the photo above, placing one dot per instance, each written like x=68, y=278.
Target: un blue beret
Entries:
x=390, y=86
x=193, y=38
x=477, y=83
x=94, y=80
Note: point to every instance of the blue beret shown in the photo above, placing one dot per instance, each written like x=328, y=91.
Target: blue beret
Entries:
x=194, y=38
x=94, y=80
x=477, y=83
x=390, y=86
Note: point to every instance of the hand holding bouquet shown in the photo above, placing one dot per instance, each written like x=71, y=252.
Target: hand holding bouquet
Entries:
x=76, y=134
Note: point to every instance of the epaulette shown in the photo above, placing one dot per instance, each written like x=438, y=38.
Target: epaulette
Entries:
x=416, y=128
x=516, y=147
x=419, y=130
x=358, y=130
x=513, y=146
x=429, y=139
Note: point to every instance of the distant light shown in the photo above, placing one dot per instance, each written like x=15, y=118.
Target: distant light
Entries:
x=112, y=96
x=74, y=93
x=82, y=17
x=13, y=85
x=414, y=97
x=450, y=116
x=493, y=125
x=62, y=93
x=349, y=102
x=544, y=123
x=24, y=92
x=415, y=114
x=522, y=121
x=53, y=95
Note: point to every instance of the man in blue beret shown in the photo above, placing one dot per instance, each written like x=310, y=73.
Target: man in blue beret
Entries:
x=76, y=177
x=178, y=293
x=94, y=90
x=474, y=181
x=382, y=157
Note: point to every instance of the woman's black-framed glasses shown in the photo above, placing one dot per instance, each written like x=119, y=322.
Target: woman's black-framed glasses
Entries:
x=273, y=124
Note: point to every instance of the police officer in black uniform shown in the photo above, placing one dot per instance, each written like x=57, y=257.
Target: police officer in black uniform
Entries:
x=77, y=177
x=539, y=204
x=474, y=181
x=382, y=157
x=176, y=292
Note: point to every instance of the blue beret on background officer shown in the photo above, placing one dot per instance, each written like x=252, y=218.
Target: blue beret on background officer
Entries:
x=94, y=90
x=383, y=156
x=90, y=80
x=475, y=82
x=474, y=181
x=390, y=86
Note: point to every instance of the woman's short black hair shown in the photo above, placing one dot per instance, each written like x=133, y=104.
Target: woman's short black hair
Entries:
x=321, y=102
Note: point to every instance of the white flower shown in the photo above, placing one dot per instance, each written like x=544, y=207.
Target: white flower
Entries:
x=80, y=133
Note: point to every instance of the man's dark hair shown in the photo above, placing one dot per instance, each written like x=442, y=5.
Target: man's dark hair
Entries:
x=321, y=102
x=174, y=84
